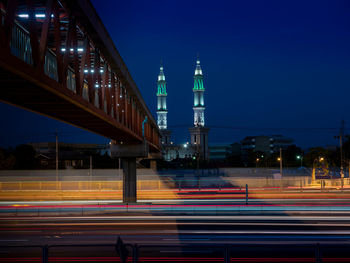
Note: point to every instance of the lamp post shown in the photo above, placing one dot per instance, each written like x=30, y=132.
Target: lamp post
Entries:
x=300, y=157
x=280, y=160
x=56, y=134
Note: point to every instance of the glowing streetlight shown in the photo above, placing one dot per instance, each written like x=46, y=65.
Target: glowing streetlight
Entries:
x=300, y=157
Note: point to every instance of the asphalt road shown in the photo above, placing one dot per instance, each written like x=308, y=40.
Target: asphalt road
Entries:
x=252, y=236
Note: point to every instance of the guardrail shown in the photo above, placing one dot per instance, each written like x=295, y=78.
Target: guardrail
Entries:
x=179, y=185
x=224, y=252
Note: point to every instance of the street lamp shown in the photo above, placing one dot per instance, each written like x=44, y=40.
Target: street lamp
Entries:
x=280, y=160
x=300, y=157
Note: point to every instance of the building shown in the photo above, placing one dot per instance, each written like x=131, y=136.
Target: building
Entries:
x=267, y=144
x=198, y=145
x=219, y=151
x=70, y=155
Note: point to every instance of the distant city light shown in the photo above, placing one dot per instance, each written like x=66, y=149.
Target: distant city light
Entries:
x=185, y=145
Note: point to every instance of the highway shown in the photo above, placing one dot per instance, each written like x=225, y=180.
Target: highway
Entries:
x=285, y=231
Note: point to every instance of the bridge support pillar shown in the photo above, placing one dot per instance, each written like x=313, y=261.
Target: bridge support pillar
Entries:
x=128, y=154
x=129, y=180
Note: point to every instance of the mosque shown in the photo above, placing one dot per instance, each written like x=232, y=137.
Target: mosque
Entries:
x=198, y=146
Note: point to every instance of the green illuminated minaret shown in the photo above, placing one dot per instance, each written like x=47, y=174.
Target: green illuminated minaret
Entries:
x=198, y=92
x=162, y=111
x=199, y=133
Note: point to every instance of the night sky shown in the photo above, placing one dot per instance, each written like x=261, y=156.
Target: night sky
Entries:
x=270, y=67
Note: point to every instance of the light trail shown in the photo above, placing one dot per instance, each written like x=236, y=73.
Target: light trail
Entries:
x=176, y=259
x=177, y=218
x=6, y=203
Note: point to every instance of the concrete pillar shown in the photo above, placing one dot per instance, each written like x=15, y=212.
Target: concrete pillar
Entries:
x=129, y=179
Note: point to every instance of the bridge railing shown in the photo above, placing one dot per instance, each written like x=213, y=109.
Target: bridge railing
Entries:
x=20, y=44
x=56, y=40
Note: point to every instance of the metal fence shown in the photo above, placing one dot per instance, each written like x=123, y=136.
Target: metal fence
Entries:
x=218, y=252
x=183, y=184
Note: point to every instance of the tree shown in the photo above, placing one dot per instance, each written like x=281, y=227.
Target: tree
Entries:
x=7, y=160
x=290, y=156
x=25, y=157
x=315, y=153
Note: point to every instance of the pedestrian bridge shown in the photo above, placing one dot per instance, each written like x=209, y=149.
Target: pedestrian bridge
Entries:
x=57, y=59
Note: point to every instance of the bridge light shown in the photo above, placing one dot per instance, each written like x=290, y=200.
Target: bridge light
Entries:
x=71, y=50
x=40, y=15
x=109, y=85
x=86, y=71
x=80, y=49
x=92, y=71
x=23, y=15
x=96, y=85
x=101, y=70
x=63, y=49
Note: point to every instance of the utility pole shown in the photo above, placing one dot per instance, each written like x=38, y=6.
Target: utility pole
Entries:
x=281, y=162
x=90, y=167
x=341, y=135
x=119, y=171
x=56, y=156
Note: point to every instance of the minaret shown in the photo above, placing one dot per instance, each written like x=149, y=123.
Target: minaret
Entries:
x=198, y=92
x=199, y=133
x=162, y=110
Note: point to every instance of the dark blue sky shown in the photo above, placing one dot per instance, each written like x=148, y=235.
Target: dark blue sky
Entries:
x=270, y=67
